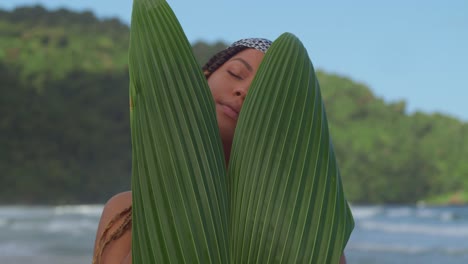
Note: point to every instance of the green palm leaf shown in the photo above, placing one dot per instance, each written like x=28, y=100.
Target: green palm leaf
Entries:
x=285, y=201
x=178, y=177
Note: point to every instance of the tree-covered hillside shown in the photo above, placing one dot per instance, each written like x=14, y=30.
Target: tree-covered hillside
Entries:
x=64, y=123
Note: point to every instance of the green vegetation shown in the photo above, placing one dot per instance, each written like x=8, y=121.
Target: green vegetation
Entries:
x=64, y=120
x=454, y=198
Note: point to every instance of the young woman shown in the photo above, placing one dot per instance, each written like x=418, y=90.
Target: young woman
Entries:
x=229, y=74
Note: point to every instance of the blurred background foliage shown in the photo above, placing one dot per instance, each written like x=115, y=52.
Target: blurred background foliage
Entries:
x=64, y=121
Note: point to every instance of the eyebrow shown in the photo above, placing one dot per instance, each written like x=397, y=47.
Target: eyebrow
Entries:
x=246, y=64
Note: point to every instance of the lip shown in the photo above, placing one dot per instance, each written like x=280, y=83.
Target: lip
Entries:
x=229, y=111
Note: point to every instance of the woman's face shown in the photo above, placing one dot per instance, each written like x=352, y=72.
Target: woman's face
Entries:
x=229, y=85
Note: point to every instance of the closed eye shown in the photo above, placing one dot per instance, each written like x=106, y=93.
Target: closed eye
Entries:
x=235, y=75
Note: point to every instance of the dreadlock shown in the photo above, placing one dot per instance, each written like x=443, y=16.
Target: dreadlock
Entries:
x=106, y=239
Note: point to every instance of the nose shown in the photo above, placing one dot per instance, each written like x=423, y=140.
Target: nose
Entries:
x=240, y=91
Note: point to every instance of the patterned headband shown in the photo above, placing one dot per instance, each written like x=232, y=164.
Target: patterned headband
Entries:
x=260, y=44
x=221, y=57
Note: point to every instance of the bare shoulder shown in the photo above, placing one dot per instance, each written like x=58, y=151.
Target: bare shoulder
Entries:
x=112, y=208
x=118, y=202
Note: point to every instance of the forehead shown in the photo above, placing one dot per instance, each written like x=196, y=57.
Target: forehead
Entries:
x=252, y=57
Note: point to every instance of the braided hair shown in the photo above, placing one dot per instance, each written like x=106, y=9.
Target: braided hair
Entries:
x=106, y=238
x=210, y=67
x=221, y=57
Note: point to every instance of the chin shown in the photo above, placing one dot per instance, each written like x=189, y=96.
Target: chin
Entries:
x=226, y=130
x=226, y=125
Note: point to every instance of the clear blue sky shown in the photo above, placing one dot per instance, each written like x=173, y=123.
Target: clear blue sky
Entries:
x=414, y=50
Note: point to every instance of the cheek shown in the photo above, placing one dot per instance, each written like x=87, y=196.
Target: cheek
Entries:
x=212, y=86
x=217, y=84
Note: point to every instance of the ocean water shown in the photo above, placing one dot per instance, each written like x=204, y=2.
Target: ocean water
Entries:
x=383, y=234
